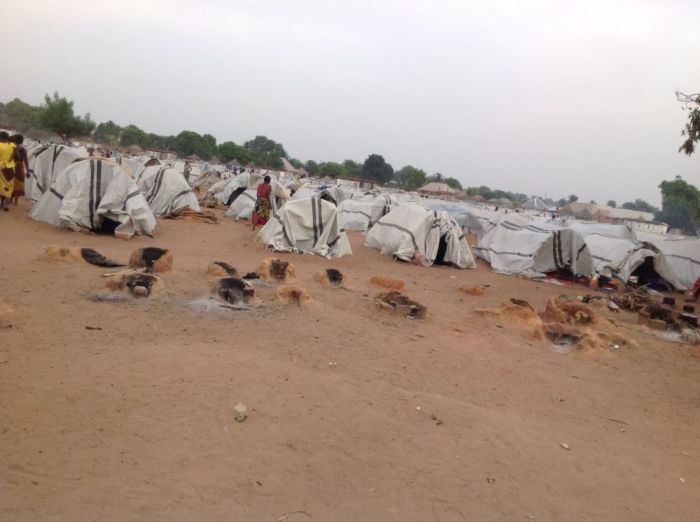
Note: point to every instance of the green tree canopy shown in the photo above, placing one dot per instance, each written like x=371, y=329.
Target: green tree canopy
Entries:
x=680, y=205
x=57, y=116
x=265, y=152
x=572, y=198
x=189, y=142
x=640, y=205
x=228, y=151
x=411, y=178
x=352, y=168
x=691, y=131
x=132, y=135
x=612, y=203
x=331, y=169
x=20, y=115
x=453, y=183
x=312, y=168
x=376, y=168
x=107, y=132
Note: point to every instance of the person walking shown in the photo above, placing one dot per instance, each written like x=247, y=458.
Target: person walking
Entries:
x=7, y=170
x=21, y=167
x=261, y=212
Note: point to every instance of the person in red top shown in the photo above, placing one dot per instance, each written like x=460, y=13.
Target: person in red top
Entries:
x=261, y=212
x=21, y=166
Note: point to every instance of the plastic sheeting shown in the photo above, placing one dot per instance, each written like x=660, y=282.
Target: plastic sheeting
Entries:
x=682, y=256
x=165, y=190
x=307, y=226
x=89, y=192
x=412, y=233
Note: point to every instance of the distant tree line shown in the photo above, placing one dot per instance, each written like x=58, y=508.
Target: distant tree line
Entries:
x=56, y=116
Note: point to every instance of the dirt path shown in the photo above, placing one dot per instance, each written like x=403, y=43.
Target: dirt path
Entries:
x=356, y=414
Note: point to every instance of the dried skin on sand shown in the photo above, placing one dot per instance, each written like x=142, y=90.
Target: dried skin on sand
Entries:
x=134, y=281
x=400, y=304
x=233, y=290
x=292, y=294
x=221, y=269
x=329, y=277
x=152, y=259
x=276, y=269
x=387, y=282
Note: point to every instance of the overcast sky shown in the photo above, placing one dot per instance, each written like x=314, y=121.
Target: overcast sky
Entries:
x=541, y=97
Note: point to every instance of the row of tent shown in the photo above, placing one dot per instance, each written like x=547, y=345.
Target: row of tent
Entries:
x=79, y=192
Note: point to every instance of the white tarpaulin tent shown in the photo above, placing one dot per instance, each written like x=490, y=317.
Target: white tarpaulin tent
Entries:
x=242, y=207
x=682, y=255
x=46, y=166
x=165, y=190
x=307, y=226
x=586, y=228
x=362, y=213
x=519, y=246
x=95, y=194
x=413, y=233
x=617, y=257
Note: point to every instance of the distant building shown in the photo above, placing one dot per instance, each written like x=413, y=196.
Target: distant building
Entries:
x=437, y=190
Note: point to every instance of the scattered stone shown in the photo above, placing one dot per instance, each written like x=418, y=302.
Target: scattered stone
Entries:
x=240, y=412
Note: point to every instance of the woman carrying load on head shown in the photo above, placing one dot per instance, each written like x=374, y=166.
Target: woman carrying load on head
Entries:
x=261, y=212
x=21, y=166
x=7, y=170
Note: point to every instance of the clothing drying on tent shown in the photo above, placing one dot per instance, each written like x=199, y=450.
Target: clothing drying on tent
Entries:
x=413, y=233
x=307, y=226
x=165, y=190
x=96, y=195
x=47, y=164
x=682, y=255
x=519, y=246
x=362, y=213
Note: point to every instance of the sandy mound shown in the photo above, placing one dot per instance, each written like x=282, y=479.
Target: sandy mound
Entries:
x=561, y=311
x=291, y=294
x=58, y=252
x=277, y=269
x=515, y=310
x=400, y=304
x=221, y=269
x=472, y=290
x=152, y=259
x=330, y=277
x=234, y=291
x=387, y=282
x=138, y=284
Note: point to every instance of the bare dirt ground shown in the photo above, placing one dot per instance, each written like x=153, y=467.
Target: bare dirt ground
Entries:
x=455, y=417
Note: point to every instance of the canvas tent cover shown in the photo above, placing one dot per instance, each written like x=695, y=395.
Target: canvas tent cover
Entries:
x=165, y=190
x=412, y=233
x=89, y=192
x=681, y=254
x=47, y=164
x=242, y=207
x=307, y=226
x=616, y=257
x=522, y=247
x=362, y=213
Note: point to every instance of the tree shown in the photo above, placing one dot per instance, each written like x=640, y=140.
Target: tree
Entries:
x=107, y=132
x=453, y=183
x=132, y=135
x=640, y=205
x=297, y=164
x=572, y=198
x=229, y=151
x=19, y=115
x=410, y=177
x=612, y=203
x=353, y=168
x=312, y=168
x=561, y=203
x=57, y=116
x=331, y=169
x=593, y=202
x=376, y=168
x=680, y=205
x=691, y=103
x=189, y=142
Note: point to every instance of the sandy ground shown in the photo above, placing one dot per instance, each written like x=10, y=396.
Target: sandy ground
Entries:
x=454, y=417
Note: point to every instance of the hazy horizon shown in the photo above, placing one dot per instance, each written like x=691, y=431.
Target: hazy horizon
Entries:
x=543, y=98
